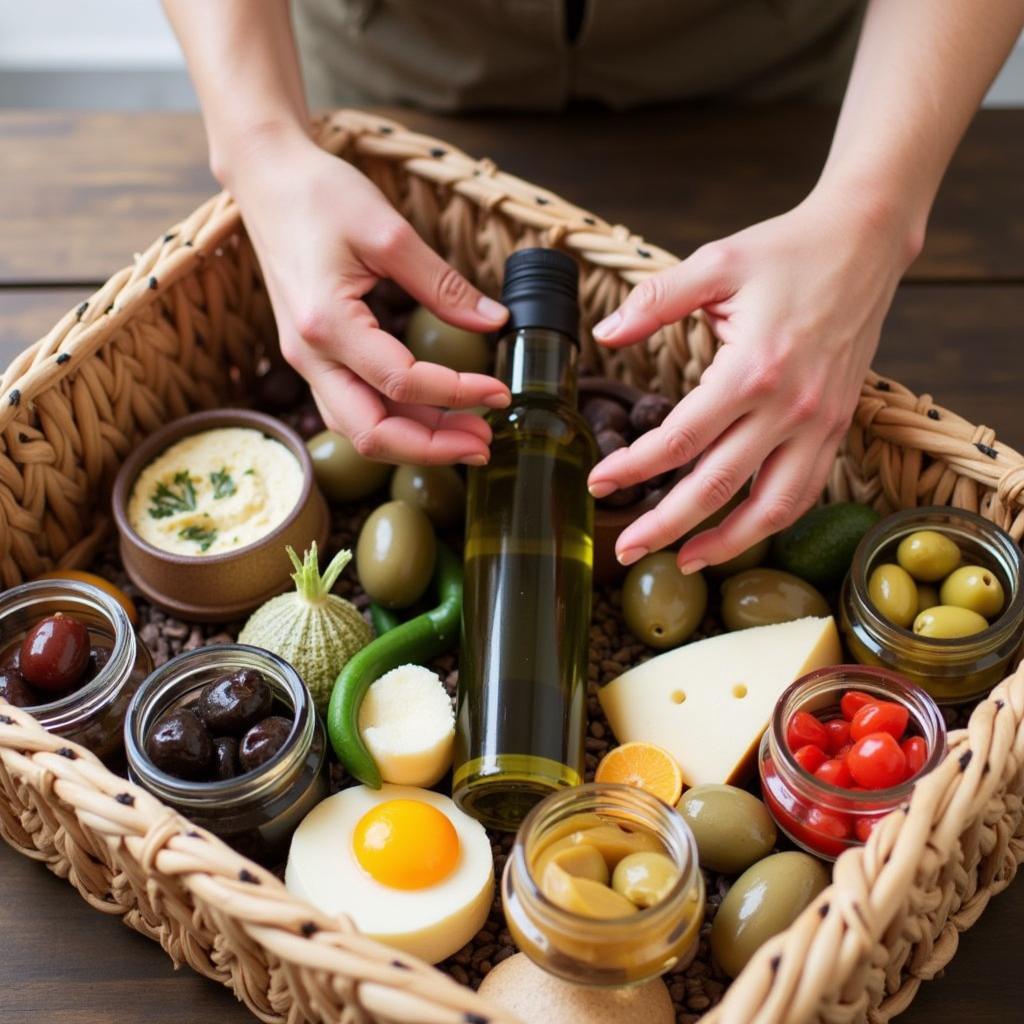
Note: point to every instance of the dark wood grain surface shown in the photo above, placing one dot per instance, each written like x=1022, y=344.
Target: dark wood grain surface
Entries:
x=80, y=193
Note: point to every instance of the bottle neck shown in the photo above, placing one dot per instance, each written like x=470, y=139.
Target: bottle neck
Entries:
x=538, y=361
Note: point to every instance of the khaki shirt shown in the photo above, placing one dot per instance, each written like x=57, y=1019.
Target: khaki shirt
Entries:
x=455, y=55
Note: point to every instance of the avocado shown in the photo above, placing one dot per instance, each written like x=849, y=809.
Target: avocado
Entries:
x=819, y=546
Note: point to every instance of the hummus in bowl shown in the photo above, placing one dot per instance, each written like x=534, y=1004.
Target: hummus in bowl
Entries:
x=215, y=491
x=205, y=507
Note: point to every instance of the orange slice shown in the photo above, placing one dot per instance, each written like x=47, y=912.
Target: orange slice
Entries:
x=645, y=766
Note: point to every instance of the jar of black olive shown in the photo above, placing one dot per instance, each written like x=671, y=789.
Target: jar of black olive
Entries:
x=256, y=811
x=92, y=712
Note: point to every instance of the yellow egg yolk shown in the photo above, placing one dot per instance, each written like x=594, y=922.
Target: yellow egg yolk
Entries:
x=406, y=844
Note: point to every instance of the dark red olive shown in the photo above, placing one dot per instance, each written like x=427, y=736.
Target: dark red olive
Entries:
x=225, y=757
x=279, y=389
x=605, y=414
x=233, y=703
x=54, y=653
x=15, y=690
x=263, y=741
x=648, y=412
x=180, y=745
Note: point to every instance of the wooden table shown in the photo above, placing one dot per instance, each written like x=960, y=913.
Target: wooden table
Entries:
x=80, y=193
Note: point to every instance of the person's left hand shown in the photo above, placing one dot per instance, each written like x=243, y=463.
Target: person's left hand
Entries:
x=798, y=303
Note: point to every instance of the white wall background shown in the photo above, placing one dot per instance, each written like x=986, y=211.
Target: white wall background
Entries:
x=121, y=54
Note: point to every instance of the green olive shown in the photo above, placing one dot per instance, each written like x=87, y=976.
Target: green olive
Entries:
x=927, y=597
x=947, y=622
x=438, y=490
x=395, y=554
x=340, y=471
x=661, y=606
x=928, y=555
x=434, y=341
x=748, y=559
x=893, y=592
x=645, y=878
x=760, y=597
x=733, y=829
x=974, y=587
x=765, y=900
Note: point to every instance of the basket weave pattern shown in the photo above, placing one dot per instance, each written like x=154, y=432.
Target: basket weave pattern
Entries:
x=183, y=328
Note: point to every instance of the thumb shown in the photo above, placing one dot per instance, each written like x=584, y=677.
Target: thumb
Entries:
x=440, y=287
x=666, y=297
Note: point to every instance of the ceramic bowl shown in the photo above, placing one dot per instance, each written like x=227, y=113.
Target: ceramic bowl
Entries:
x=610, y=522
x=218, y=588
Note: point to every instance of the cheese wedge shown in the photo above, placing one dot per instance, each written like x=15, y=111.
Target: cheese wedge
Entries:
x=709, y=702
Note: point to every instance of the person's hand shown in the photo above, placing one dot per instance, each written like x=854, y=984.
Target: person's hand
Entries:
x=325, y=235
x=798, y=303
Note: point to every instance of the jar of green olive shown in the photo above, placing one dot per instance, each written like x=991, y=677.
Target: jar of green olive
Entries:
x=895, y=556
x=658, y=932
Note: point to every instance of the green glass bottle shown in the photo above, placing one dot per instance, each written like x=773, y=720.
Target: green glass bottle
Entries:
x=528, y=558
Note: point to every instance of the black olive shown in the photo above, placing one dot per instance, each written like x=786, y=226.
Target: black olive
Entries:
x=648, y=412
x=605, y=414
x=309, y=423
x=609, y=441
x=231, y=704
x=225, y=757
x=263, y=741
x=54, y=653
x=180, y=745
x=622, y=498
x=279, y=389
x=16, y=691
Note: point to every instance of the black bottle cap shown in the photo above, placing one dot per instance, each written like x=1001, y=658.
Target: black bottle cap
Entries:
x=541, y=290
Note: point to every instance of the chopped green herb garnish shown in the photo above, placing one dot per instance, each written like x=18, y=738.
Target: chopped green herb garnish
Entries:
x=249, y=472
x=223, y=485
x=168, y=500
x=201, y=535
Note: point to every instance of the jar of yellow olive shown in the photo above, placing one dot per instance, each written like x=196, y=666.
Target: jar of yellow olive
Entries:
x=936, y=594
x=602, y=886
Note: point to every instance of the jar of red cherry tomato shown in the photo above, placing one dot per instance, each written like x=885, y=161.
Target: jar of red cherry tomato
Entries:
x=844, y=748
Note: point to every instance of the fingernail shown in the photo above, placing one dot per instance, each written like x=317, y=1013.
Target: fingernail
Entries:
x=608, y=326
x=490, y=309
x=474, y=460
x=630, y=555
x=601, y=489
x=689, y=568
x=499, y=400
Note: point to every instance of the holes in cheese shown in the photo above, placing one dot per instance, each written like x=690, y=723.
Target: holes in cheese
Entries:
x=710, y=728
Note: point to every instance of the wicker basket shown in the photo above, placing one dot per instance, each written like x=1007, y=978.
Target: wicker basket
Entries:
x=182, y=329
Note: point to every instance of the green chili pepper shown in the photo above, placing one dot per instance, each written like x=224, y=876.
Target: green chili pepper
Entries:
x=384, y=619
x=416, y=641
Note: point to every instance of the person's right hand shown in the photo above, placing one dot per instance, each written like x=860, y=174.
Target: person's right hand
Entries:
x=324, y=235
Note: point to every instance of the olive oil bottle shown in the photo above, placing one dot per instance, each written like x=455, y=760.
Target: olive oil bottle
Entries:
x=528, y=559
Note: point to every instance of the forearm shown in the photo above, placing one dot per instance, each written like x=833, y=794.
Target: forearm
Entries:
x=921, y=70
x=243, y=61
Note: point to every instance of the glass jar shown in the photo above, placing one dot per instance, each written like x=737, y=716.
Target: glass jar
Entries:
x=94, y=714
x=255, y=812
x=589, y=951
x=824, y=819
x=952, y=671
